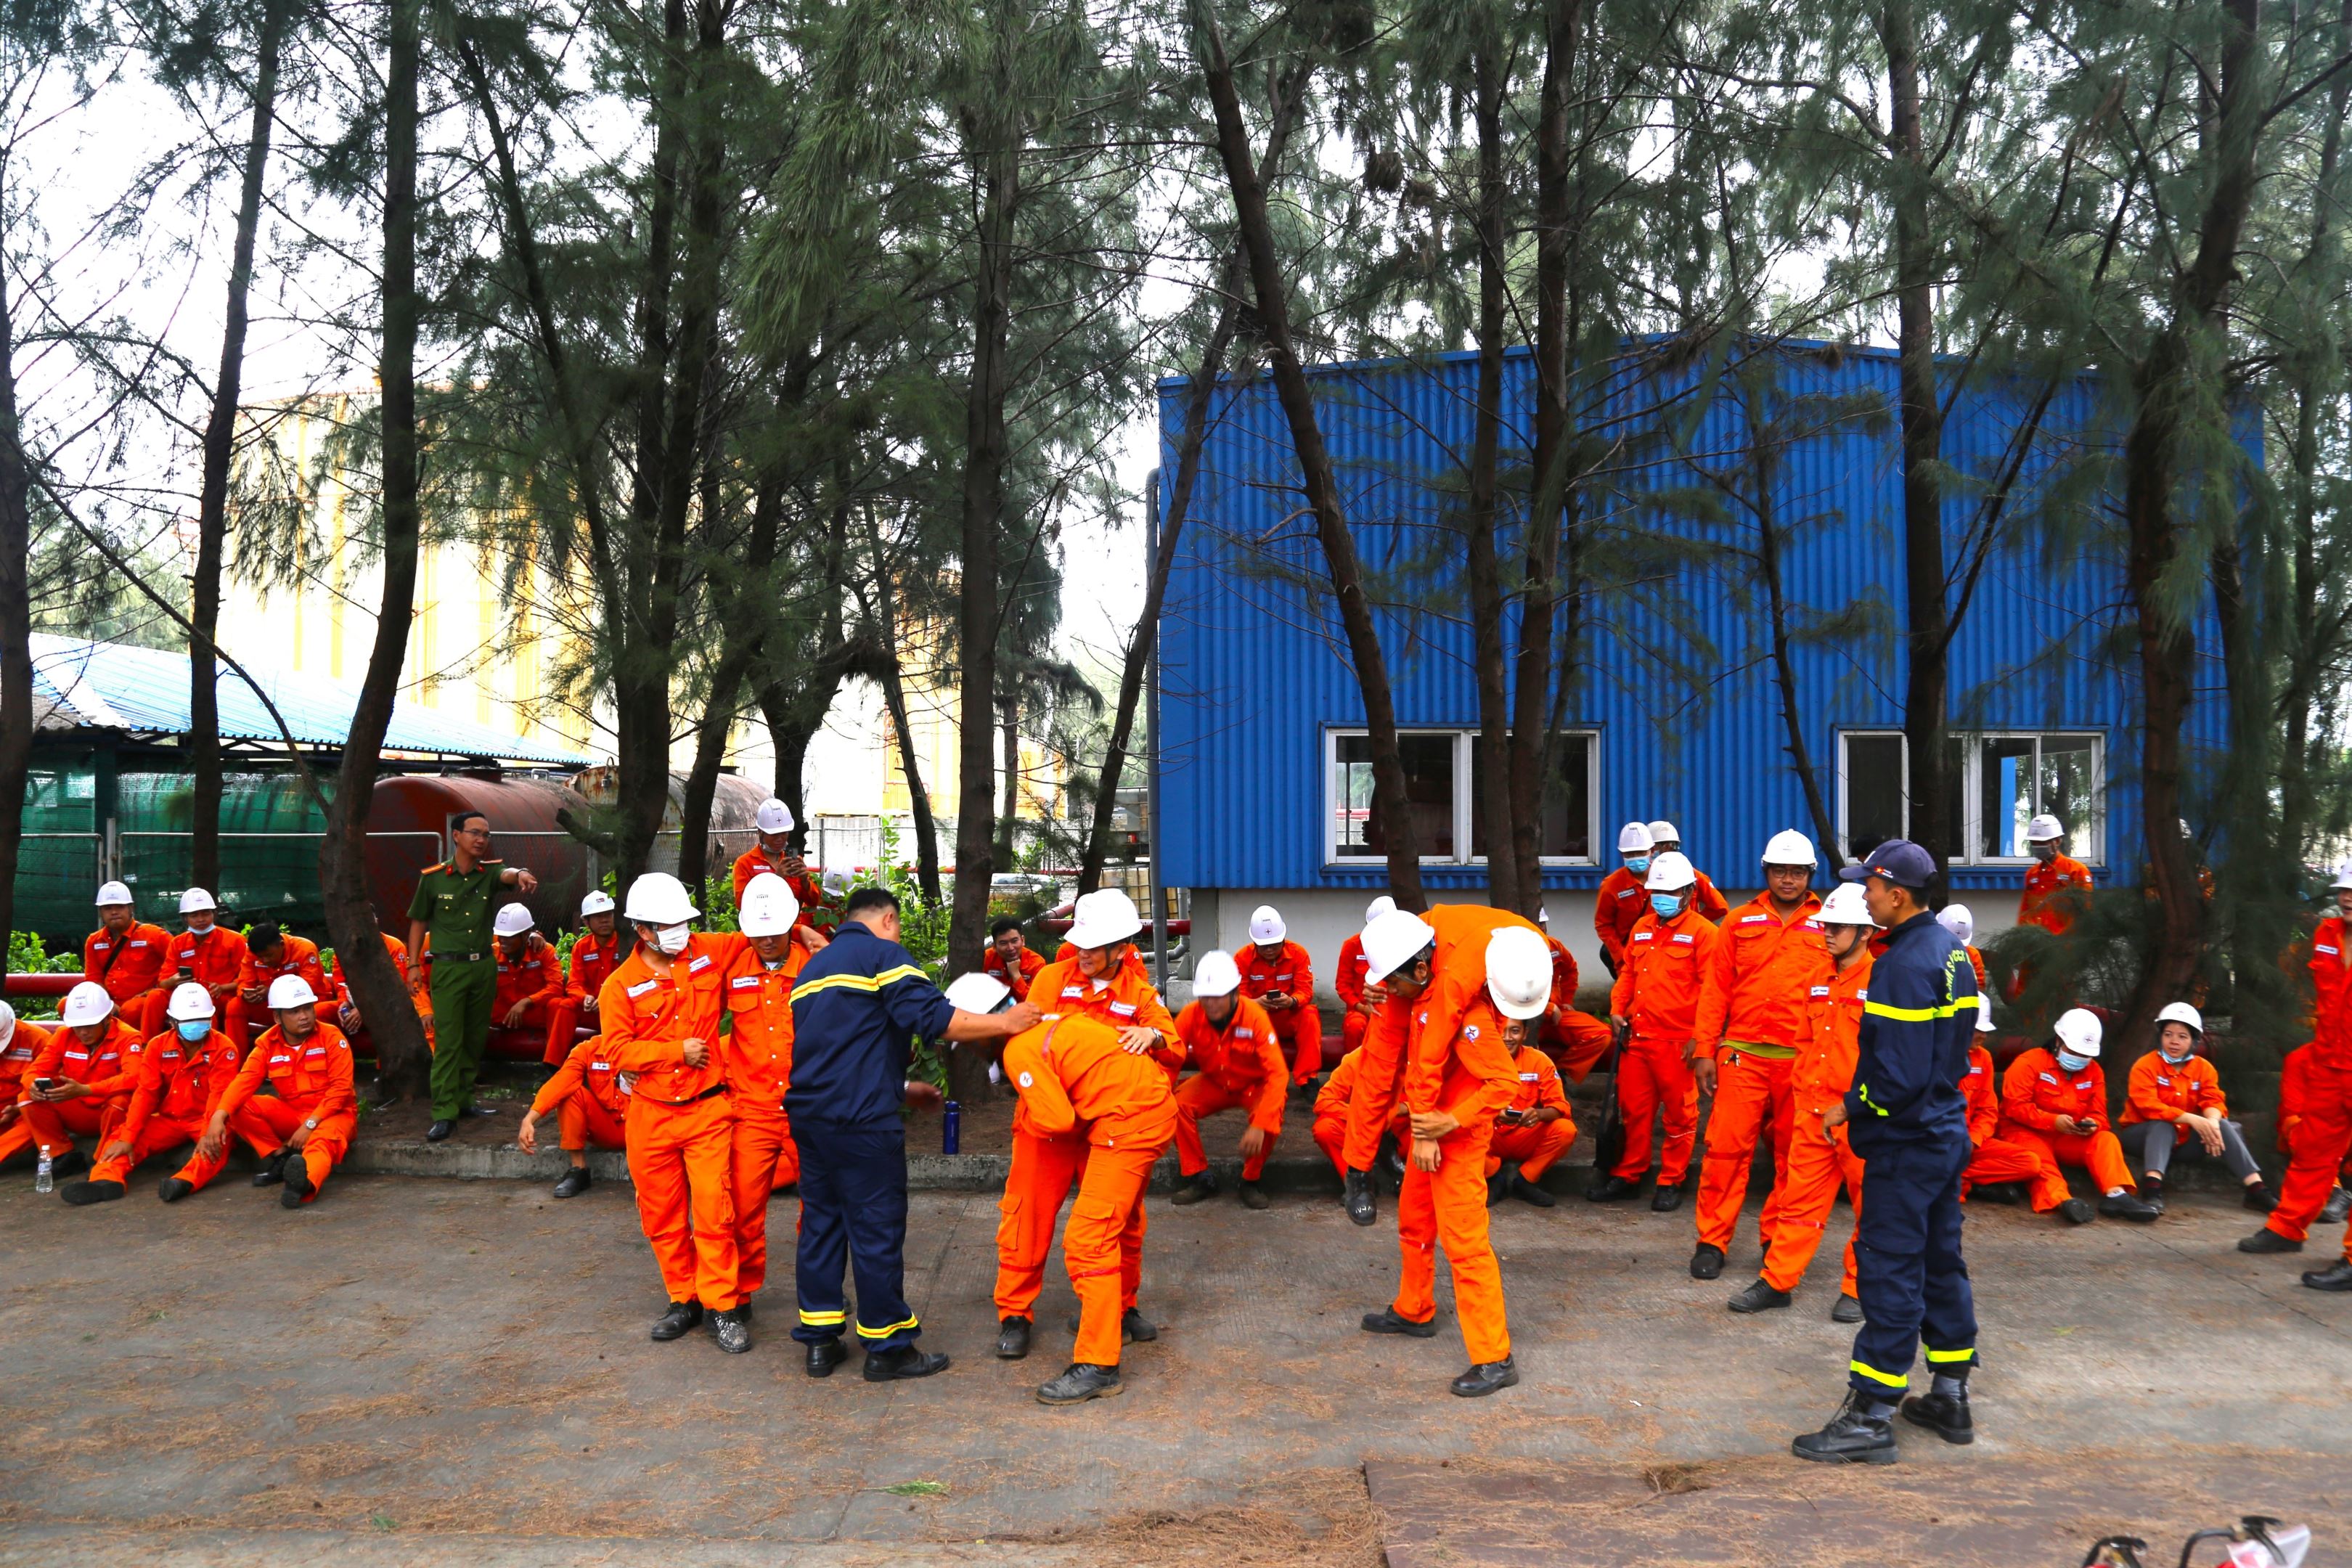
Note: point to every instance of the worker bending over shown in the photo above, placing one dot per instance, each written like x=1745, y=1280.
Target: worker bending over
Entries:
x=180, y=1073
x=80, y=1079
x=210, y=955
x=1754, y=1000
x=757, y=1054
x=1654, y=1007
x=2323, y=1130
x=1444, y=1203
x=1236, y=1062
x=1532, y=1131
x=594, y=952
x=125, y=955
x=311, y=1111
x=531, y=993
x=2293, y=1102
x=1359, y=999
x=1009, y=959
x=2174, y=1109
x=1820, y=1159
x=2056, y=1096
x=591, y=1105
x=1996, y=1166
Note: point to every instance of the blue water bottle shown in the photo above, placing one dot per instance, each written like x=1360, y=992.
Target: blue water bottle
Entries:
x=951, y=1130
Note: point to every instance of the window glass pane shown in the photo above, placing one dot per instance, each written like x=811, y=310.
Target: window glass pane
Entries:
x=1957, y=749
x=2005, y=795
x=2069, y=782
x=1478, y=844
x=1428, y=761
x=1567, y=820
x=1874, y=805
x=1352, y=789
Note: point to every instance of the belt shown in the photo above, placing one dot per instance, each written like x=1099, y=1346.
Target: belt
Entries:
x=692, y=1100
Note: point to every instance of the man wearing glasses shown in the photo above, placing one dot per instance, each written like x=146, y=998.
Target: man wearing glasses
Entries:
x=455, y=905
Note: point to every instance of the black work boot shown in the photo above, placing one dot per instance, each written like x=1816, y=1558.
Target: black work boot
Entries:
x=1391, y=1165
x=72, y=1163
x=1133, y=1327
x=2128, y=1204
x=295, y=1172
x=673, y=1324
x=1485, y=1378
x=2151, y=1192
x=2268, y=1240
x=1945, y=1415
x=907, y=1361
x=1759, y=1297
x=2339, y=1205
x=80, y=1193
x=824, y=1355
x=1195, y=1189
x=2008, y=1192
x=172, y=1189
x=1847, y=1310
x=1609, y=1189
x=574, y=1183
x=2336, y=1276
x=1498, y=1186
x=2075, y=1211
x=1707, y=1263
x=734, y=1334
x=1526, y=1191
x=1080, y=1382
x=1859, y=1433
x=1386, y=1322
x=1013, y=1339
x=439, y=1132
x=2259, y=1197
x=1254, y=1196
x=1359, y=1198
x=273, y=1169
x=1666, y=1199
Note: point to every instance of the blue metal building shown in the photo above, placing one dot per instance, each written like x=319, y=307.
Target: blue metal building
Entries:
x=1673, y=712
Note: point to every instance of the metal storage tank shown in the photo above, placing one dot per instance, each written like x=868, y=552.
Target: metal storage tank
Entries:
x=408, y=824
x=734, y=808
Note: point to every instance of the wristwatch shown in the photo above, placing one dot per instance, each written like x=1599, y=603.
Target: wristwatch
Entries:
x=311, y=1123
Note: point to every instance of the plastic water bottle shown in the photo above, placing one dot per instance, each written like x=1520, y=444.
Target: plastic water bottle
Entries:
x=951, y=1130
x=44, y=1178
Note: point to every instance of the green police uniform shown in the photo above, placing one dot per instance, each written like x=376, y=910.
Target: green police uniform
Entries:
x=458, y=909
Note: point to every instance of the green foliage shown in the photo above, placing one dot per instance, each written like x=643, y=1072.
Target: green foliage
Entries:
x=28, y=955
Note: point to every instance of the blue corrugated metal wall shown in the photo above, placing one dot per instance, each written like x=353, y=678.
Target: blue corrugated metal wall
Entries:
x=1254, y=668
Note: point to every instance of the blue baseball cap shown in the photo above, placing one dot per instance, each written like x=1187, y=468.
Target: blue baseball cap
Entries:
x=1898, y=860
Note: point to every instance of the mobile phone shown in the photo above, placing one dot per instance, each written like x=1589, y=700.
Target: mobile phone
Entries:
x=45, y=1084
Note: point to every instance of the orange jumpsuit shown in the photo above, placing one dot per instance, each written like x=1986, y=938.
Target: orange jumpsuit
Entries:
x=25, y=1043
x=1447, y=1207
x=590, y=1101
x=1331, y=1103
x=213, y=960
x=1754, y=1016
x=298, y=955
x=535, y=977
x=2035, y=1091
x=1018, y=983
x=1075, y=1081
x=109, y=1068
x=1996, y=1158
x=1288, y=973
x=758, y=1056
x=2323, y=1129
x=1574, y=1041
x=1617, y=908
x=1046, y=1163
x=2040, y=904
x=1657, y=993
x=806, y=889
x=1798, y=1216
x=1410, y=1043
x=2158, y=1090
x=180, y=1085
x=1975, y=959
x=2293, y=1102
x=131, y=967
x=589, y=966
x=1347, y=980
x=312, y=1079
x=681, y=1125
x=1533, y=1148
x=1238, y=1065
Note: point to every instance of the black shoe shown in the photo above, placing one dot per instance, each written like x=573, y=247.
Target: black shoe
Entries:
x=681, y=1316
x=2268, y=1240
x=82, y=1192
x=1526, y=1191
x=2075, y=1211
x=2127, y=1206
x=734, y=1334
x=1079, y=1382
x=1254, y=1196
x=1498, y=1187
x=296, y=1178
x=1011, y=1339
x=2336, y=1276
x=1485, y=1377
x=1195, y=1189
x=1359, y=1198
x=1759, y=1297
x=1386, y=1322
x=1707, y=1263
x=2151, y=1192
x=824, y=1355
x=1854, y=1437
x=574, y=1183
x=439, y=1132
x=1134, y=1328
x=1945, y=1415
x=272, y=1170
x=1997, y=1193
x=2339, y=1205
x=907, y=1361
x=1392, y=1166
x=1665, y=1200
x=2260, y=1198
x=1609, y=1189
x=172, y=1189
x=72, y=1163
x=479, y=1110
x=1847, y=1310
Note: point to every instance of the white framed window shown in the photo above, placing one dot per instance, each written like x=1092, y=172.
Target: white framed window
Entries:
x=2001, y=781
x=1443, y=777
x=1874, y=789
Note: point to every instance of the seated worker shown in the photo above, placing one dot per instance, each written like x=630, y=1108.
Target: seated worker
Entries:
x=1665, y=839
x=1231, y=1043
x=2294, y=1107
x=592, y=1106
x=594, y=952
x=1278, y=976
x=774, y=854
x=1330, y=1130
x=2174, y=1109
x=531, y=993
x=312, y=1107
x=1955, y=919
x=2055, y=1096
x=80, y=1079
x=756, y=1057
x=126, y=956
x=347, y=1008
x=1078, y=1079
x=213, y=956
x=1008, y=957
x=1623, y=896
x=1999, y=1166
x=271, y=952
x=181, y=1071
x=1654, y=1007
x=20, y=1042
x=1358, y=999
x=1574, y=1041
x=1444, y=1203
x=1532, y=1131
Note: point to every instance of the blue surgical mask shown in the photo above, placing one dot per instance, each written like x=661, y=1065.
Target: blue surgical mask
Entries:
x=1667, y=905
x=2071, y=1062
x=1637, y=862
x=195, y=1029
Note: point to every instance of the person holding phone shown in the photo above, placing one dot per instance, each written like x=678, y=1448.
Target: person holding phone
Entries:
x=81, y=1077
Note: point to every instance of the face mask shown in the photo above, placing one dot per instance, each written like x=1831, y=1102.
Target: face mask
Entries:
x=672, y=940
x=204, y=929
x=2176, y=1061
x=2071, y=1062
x=1637, y=862
x=2045, y=852
x=195, y=1029
x=1669, y=905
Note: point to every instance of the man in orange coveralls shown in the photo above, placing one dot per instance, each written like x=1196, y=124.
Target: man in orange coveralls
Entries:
x=20, y=1042
x=1665, y=839
x=347, y=1008
x=90, y=1065
x=2057, y=887
x=1099, y=982
x=1654, y=1006
x=1077, y=1078
x=1445, y=1199
x=1752, y=1022
x=2323, y=1131
x=757, y=1054
x=125, y=954
x=590, y=1106
x=1405, y=1051
x=1532, y=1131
x=1009, y=959
x=182, y=1073
x=1360, y=1001
x=1998, y=1166
x=1574, y=1041
x=1238, y=1061
x=2293, y=1102
x=531, y=993
x=1819, y=1156
x=594, y=952
x=774, y=854
x=271, y=952
x=2055, y=1097
x=313, y=1107
x=1277, y=974
x=213, y=956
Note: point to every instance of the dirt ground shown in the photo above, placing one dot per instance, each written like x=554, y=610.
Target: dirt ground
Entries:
x=421, y=1372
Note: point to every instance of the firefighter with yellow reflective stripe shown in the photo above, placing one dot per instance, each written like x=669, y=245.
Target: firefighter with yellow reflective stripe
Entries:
x=1907, y=1120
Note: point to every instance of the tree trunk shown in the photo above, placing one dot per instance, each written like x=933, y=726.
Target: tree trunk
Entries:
x=212, y=493
x=918, y=797
x=1009, y=722
x=1321, y=481
x=1485, y=571
x=16, y=613
x=401, y=1055
x=741, y=630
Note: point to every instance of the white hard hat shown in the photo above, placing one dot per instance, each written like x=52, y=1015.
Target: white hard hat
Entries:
x=2042, y=827
x=1845, y=906
x=775, y=817
x=975, y=992
x=113, y=893
x=196, y=899
x=2343, y=876
x=769, y=909
x=1984, y=1017
x=1790, y=847
x=188, y=1002
x=2180, y=1013
x=1383, y=904
x=1665, y=833
x=1955, y=919
x=1634, y=838
x=2079, y=1031
x=1216, y=974
x=598, y=902
x=513, y=921
x=1519, y=971
x=1392, y=941
x=290, y=991
x=1265, y=925
x=87, y=1002
x=1669, y=871
x=1103, y=917
x=7, y=1023
x=658, y=899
